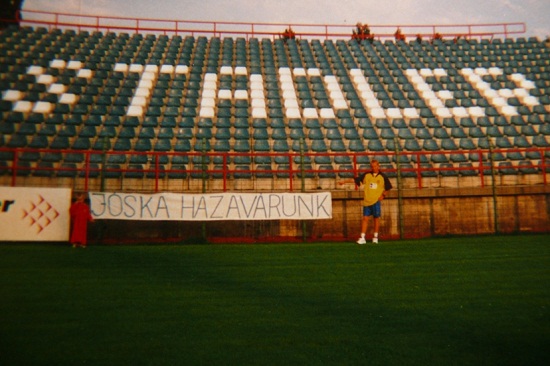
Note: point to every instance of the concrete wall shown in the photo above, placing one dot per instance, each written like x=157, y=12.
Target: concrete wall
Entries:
x=437, y=209
x=451, y=211
x=425, y=212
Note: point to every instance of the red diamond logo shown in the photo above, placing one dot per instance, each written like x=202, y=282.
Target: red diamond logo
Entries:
x=41, y=214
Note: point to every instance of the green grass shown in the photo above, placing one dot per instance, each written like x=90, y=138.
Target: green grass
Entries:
x=453, y=301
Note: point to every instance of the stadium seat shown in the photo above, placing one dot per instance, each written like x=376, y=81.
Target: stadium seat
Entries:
x=467, y=169
x=326, y=171
x=261, y=145
x=527, y=167
x=506, y=168
x=447, y=170
x=264, y=171
x=122, y=144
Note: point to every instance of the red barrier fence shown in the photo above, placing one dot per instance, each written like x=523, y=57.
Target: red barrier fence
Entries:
x=259, y=30
x=157, y=166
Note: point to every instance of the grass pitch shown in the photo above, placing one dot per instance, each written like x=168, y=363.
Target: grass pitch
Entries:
x=452, y=301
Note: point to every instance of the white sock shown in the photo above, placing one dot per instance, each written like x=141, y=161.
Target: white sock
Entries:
x=363, y=235
x=376, y=235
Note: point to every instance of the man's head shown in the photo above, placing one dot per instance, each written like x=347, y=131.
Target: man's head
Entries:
x=375, y=166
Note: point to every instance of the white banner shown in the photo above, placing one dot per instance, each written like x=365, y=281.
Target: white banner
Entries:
x=211, y=207
x=34, y=214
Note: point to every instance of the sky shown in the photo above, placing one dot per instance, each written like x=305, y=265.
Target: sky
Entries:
x=534, y=13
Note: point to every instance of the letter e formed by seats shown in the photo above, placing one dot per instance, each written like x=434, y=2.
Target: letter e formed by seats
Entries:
x=5, y=206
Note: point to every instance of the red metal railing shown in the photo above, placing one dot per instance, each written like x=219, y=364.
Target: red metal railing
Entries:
x=247, y=30
x=480, y=166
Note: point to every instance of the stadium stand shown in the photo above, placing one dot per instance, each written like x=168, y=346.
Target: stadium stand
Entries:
x=135, y=107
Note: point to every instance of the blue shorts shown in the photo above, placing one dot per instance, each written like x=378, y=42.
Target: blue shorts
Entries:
x=373, y=210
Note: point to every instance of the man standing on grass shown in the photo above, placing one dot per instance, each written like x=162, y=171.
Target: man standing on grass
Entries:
x=376, y=186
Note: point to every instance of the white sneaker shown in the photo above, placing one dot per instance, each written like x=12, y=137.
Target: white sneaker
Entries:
x=361, y=241
x=375, y=240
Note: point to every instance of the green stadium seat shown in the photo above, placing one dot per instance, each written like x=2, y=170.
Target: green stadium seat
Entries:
x=432, y=122
x=261, y=145
x=223, y=133
x=510, y=131
x=143, y=144
x=163, y=144
x=280, y=145
x=177, y=171
x=528, y=130
x=466, y=143
x=297, y=133
x=122, y=144
x=242, y=172
x=337, y=146
x=503, y=142
x=405, y=133
x=222, y=146
x=39, y=142
x=467, y=169
x=17, y=141
x=386, y=133
x=412, y=145
x=138, y=159
x=135, y=171
x=8, y=128
x=506, y=168
x=242, y=146
x=448, y=144
x=388, y=169
x=264, y=171
x=345, y=171
x=493, y=131
x=448, y=170
x=67, y=170
x=279, y=133
x=527, y=167
x=60, y=142
x=318, y=146
x=53, y=157
x=242, y=134
x=427, y=170
x=326, y=171
x=356, y=145
x=315, y=134
x=32, y=156
x=540, y=141
x=23, y=168
x=116, y=159
x=182, y=145
x=375, y=145
x=156, y=171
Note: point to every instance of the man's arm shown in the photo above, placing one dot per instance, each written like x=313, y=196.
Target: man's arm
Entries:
x=387, y=187
x=387, y=183
x=383, y=195
x=345, y=181
x=357, y=180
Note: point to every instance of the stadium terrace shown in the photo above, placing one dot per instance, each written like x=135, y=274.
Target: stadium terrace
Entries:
x=185, y=109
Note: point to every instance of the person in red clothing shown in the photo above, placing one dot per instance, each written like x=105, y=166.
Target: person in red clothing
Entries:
x=80, y=215
x=289, y=34
x=399, y=36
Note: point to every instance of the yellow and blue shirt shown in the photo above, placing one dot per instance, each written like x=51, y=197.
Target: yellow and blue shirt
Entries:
x=374, y=186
